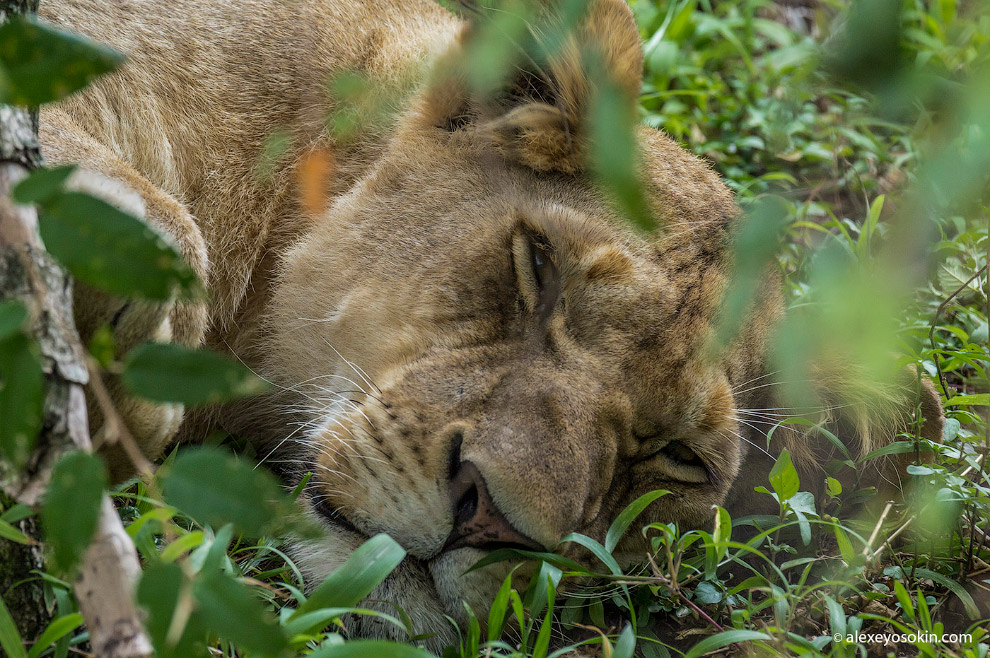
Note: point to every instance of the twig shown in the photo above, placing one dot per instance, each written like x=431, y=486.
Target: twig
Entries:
x=876, y=530
x=676, y=590
x=893, y=536
x=114, y=426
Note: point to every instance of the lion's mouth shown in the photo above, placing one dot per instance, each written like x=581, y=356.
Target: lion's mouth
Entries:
x=478, y=524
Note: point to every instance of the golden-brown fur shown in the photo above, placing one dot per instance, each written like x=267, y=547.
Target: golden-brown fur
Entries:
x=406, y=329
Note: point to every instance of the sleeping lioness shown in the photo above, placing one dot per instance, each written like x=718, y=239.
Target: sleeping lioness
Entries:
x=470, y=347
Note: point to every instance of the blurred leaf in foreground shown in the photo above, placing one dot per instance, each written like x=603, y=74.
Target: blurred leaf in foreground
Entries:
x=166, y=372
x=871, y=48
x=614, y=152
x=216, y=488
x=72, y=506
x=111, y=250
x=159, y=592
x=232, y=611
x=755, y=246
x=39, y=64
x=21, y=385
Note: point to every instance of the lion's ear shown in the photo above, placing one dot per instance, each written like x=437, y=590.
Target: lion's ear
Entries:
x=562, y=57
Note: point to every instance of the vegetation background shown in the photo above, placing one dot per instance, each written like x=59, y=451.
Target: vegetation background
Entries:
x=857, y=138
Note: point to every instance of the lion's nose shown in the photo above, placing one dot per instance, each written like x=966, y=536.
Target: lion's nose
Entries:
x=477, y=521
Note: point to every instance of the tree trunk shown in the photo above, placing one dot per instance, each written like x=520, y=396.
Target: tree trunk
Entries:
x=21, y=590
x=104, y=588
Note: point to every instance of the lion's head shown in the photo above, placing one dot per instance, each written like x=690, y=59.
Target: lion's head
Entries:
x=481, y=352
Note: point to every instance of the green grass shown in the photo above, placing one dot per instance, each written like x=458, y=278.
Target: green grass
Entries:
x=881, y=165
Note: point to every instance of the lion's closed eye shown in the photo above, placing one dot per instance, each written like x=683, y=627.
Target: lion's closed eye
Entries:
x=677, y=460
x=538, y=276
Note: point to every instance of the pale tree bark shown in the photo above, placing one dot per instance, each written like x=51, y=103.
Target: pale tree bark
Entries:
x=110, y=567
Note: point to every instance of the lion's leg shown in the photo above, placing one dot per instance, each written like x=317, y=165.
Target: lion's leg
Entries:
x=132, y=322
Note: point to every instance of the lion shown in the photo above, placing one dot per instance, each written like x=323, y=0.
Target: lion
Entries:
x=470, y=346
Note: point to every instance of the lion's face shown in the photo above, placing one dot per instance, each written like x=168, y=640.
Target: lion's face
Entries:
x=499, y=360
x=484, y=354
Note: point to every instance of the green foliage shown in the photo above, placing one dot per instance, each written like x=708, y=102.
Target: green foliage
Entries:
x=111, y=250
x=21, y=386
x=365, y=648
x=59, y=628
x=215, y=488
x=234, y=613
x=355, y=579
x=166, y=372
x=10, y=639
x=39, y=64
x=72, y=506
x=614, y=154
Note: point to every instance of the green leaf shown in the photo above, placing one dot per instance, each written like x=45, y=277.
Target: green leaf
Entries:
x=614, y=153
x=65, y=606
x=159, y=590
x=493, y=52
x=13, y=318
x=596, y=613
x=755, y=245
x=21, y=386
x=972, y=609
x=597, y=549
x=724, y=639
x=836, y=616
x=950, y=429
x=626, y=644
x=627, y=516
x=42, y=184
x=111, y=250
x=542, y=643
x=981, y=399
x=370, y=649
x=212, y=555
x=184, y=543
x=56, y=630
x=784, y=477
x=10, y=639
x=72, y=506
x=845, y=546
x=16, y=513
x=496, y=615
x=706, y=593
x=319, y=619
x=11, y=533
x=907, y=607
x=833, y=487
x=352, y=581
x=541, y=588
x=722, y=532
x=39, y=64
x=231, y=610
x=166, y=372
x=894, y=448
x=215, y=488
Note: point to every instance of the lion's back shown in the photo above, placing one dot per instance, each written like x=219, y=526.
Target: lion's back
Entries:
x=206, y=86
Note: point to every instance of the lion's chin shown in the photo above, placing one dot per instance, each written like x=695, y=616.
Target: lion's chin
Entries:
x=431, y=592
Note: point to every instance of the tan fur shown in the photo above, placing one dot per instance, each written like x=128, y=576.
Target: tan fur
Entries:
x=403, y=328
